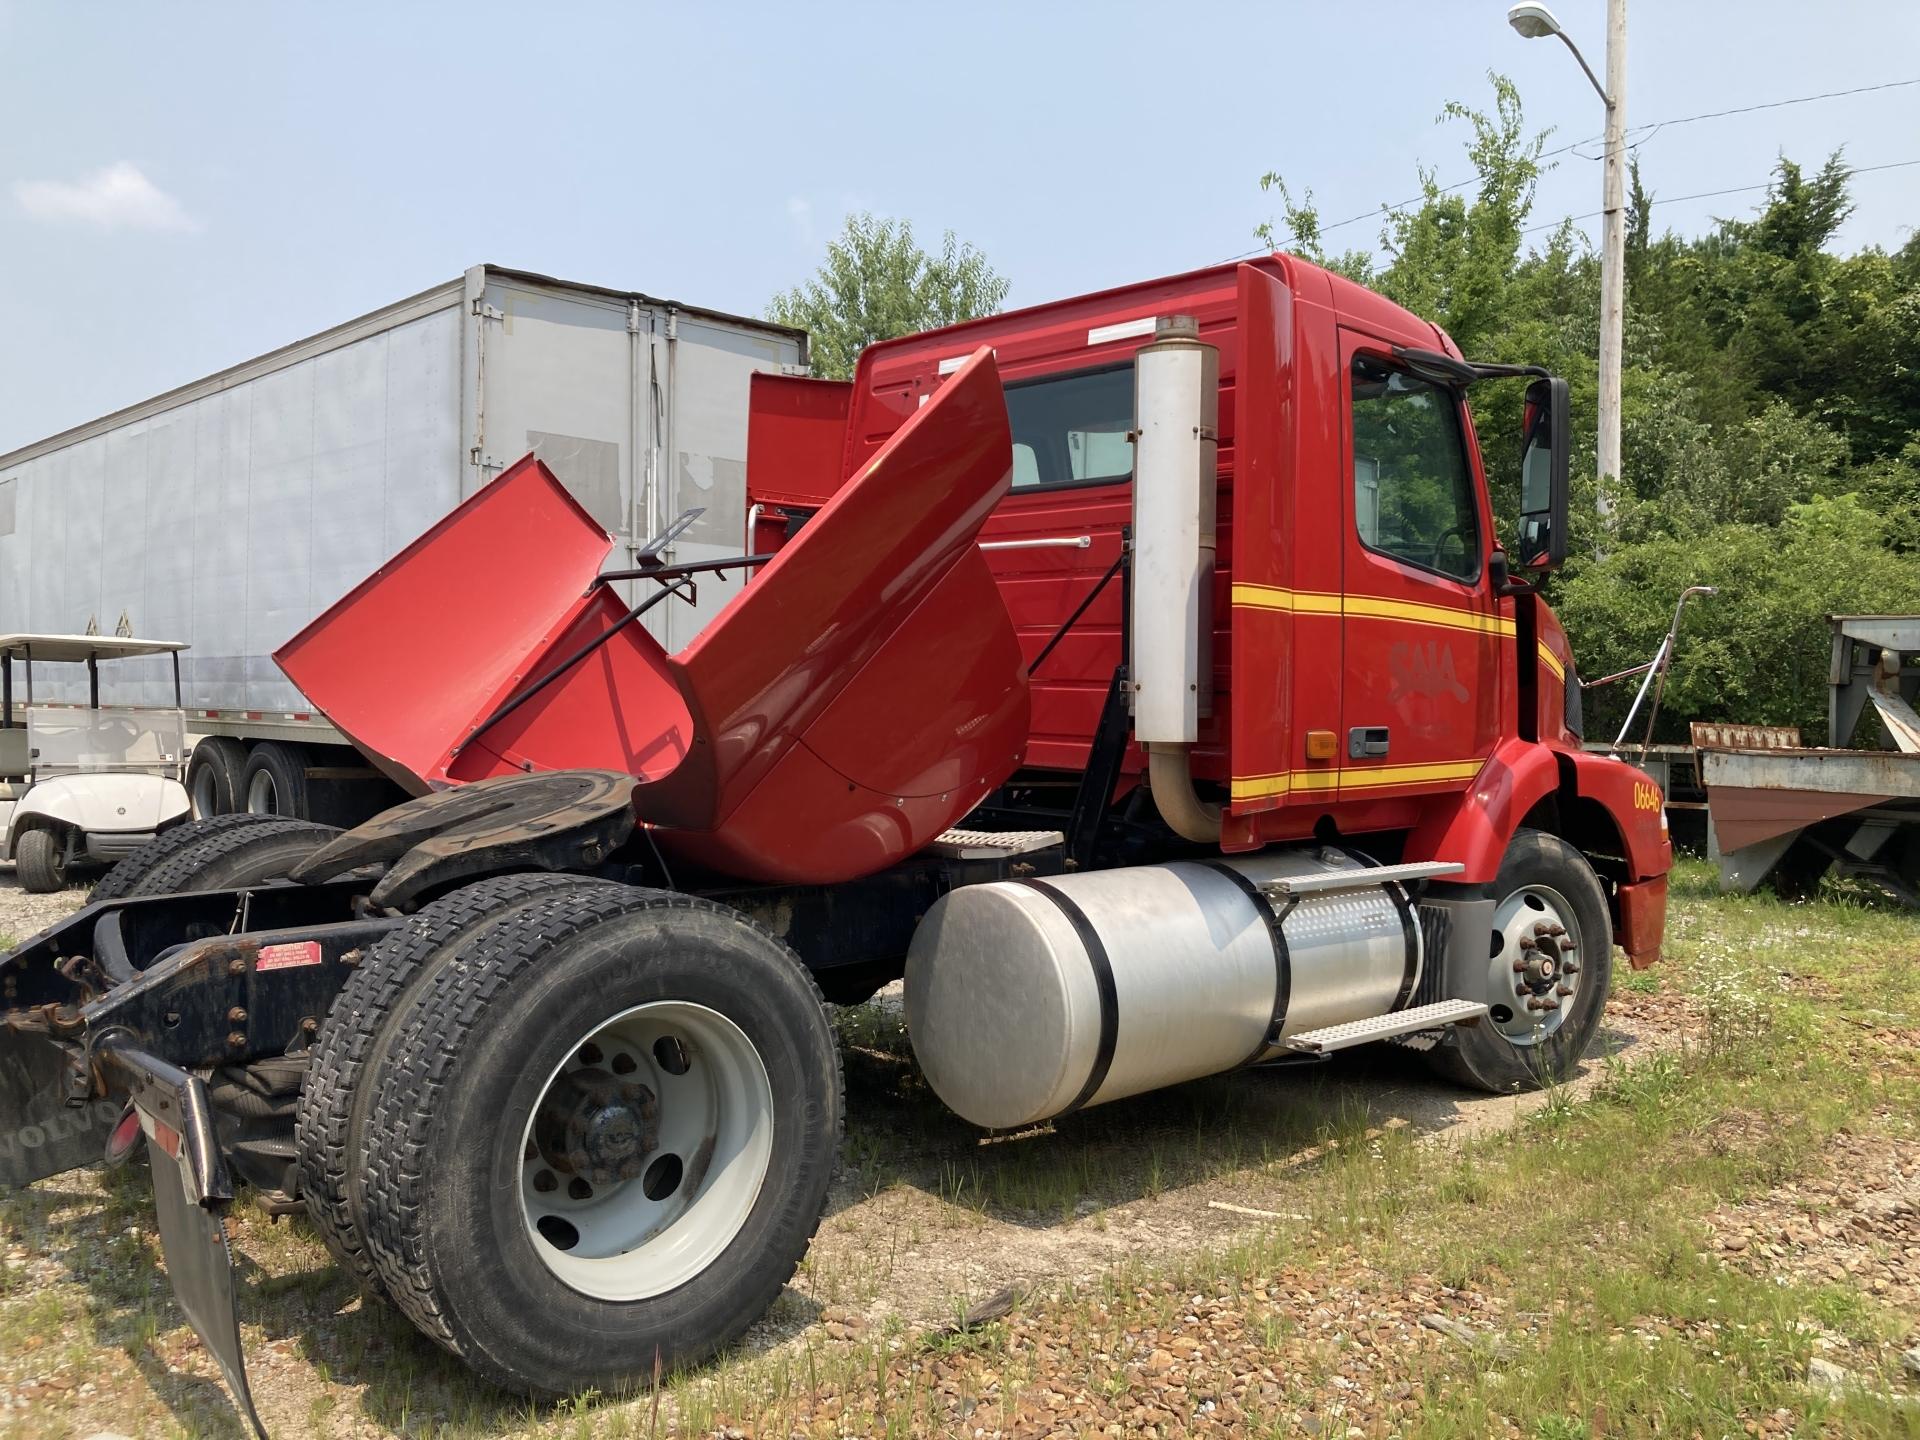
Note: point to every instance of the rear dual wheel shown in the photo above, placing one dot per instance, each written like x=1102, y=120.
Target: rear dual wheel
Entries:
x=596, y=1146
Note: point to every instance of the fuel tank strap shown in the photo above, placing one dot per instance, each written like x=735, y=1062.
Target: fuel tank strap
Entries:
x=1102, y=968
x=1410, y=925
x=1282, y=964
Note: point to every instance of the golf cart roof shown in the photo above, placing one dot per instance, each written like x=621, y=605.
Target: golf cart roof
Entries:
x=80, y=648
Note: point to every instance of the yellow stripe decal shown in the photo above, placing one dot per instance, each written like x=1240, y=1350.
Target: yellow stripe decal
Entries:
x=1552, y=662
x=1253, y=787
x=1368, y=607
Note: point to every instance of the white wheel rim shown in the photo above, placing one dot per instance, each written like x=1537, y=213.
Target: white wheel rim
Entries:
x=1534, y=972
x=688, y=1181
x=261, y=796
x=203, y=793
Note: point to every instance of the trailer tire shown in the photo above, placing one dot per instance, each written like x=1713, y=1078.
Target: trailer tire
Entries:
x=275, y=781
x=126, y=875
x=1542, y=880
x=239, y=855
x=482, y=1050
x=40, y=861
x=213, y=776
x=330, y=1139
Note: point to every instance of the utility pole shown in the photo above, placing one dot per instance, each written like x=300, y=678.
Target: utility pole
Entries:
x=1613, y=255
x=1534, y=21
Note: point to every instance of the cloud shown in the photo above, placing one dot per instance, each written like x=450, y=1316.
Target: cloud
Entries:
x=118, y=197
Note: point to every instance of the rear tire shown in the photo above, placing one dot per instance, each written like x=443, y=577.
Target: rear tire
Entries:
x=275, y=781
x=1542, y=881
x=124, y=878
x=483, y=1046
x=214, y=776
x=40, y=860
x=234, y=856
x=349, y=1058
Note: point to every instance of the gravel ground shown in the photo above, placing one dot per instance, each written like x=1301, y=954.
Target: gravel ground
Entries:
x=22, y=914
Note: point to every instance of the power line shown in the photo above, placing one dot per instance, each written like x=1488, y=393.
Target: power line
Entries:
x=1654, y=127
x=1711, y=194
x=1651, y=129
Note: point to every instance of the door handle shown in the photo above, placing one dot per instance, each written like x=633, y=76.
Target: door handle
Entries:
x=1366, y=742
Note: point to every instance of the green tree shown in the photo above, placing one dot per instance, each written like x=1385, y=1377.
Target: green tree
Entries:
x=877, y=283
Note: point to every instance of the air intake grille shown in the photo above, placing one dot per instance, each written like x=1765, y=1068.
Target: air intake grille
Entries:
x=1436, y=933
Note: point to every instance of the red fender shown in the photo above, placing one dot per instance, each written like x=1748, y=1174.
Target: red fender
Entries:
x=1477, y=826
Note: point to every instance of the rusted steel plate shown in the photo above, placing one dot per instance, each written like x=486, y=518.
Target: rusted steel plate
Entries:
x=1743, y=817
x=1721, y=735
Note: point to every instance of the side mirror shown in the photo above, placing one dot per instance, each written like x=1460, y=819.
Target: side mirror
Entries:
x=1542, y=541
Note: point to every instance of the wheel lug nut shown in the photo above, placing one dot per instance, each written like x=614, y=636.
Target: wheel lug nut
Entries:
x=1569, y=967
x=1563, y=990
x=1527, y=942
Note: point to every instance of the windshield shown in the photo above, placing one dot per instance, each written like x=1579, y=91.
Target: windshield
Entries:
x=71, y=741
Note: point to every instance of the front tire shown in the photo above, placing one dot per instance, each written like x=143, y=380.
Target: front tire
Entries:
x=1550, y=917
x=607, y=1135
x=40, y=860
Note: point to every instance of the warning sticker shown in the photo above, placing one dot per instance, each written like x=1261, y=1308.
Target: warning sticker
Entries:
x=287, y=957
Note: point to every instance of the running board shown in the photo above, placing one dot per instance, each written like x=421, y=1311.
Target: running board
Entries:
x=1385, y=1027
x=1326, y=881
x=993, y=844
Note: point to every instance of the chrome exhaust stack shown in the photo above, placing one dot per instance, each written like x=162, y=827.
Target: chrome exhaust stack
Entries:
x=1175, y=488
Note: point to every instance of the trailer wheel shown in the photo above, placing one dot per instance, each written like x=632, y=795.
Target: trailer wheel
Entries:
x=330, y=1138
x=213, y=776
x=1551, y=946
x=233, y=856
x=121, y=881
x=40, y=860
x=275, y=781
x=606, y=1135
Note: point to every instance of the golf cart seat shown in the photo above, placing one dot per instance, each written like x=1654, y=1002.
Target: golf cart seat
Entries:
x=13, y=758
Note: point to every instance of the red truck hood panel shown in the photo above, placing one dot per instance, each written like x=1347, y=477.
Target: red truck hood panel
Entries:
x=862, y=693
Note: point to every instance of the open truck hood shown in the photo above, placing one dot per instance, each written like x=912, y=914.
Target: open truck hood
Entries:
x=857, y=697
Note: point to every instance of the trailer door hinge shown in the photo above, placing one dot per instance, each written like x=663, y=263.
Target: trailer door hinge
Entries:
x=488, y=312
x=795, y=372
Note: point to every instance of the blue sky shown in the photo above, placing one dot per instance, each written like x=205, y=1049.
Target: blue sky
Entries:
x=184, y=186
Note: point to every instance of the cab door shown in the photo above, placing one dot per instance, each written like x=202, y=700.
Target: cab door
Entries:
x=1422, y=630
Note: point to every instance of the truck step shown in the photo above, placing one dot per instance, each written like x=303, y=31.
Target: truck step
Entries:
x=1331, y=880
x=993, y=844
x=1385, y=1027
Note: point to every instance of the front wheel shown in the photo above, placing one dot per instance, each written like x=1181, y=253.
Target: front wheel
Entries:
x=40, y=860
x=609, y=1130
x=1549, y=968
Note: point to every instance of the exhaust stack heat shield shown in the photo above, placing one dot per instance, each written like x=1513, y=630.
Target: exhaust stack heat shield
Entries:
x=861, y=694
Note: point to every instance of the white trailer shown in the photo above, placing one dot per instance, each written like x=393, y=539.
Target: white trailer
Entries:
x=231, y=511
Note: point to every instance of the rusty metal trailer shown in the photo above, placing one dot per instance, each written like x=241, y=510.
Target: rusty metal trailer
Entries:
x=1786, y=813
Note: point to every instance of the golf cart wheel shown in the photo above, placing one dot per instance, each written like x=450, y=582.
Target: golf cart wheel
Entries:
x=40, y=860
x=330, y=1135
x=213, y=776
x=275, y=782
x=1549, y=967
x=233, y=855
x=127, y=875
x=606, y=1135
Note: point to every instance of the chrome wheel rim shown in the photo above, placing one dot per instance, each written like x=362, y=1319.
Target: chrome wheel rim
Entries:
x=1534, y=968
x=262, y=797
x=646, y=1151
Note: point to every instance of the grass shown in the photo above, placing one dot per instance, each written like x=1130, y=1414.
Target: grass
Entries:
x=1576, y=1243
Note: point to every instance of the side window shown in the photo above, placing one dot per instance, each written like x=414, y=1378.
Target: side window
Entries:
x=1072, y=429
x=1413, y=493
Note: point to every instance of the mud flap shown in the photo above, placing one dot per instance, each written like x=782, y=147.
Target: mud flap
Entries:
x=192, y=1192
x=41, y=1134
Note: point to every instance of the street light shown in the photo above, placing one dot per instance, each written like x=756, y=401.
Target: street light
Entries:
x=1534, y=21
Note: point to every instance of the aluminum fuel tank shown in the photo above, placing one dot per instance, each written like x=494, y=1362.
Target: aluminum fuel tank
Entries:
x=1028, y=999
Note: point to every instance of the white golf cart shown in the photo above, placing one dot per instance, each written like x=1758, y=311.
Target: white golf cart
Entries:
x=80, y=782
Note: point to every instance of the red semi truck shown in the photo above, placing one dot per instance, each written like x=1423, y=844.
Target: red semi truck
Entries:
x=1139, y=676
